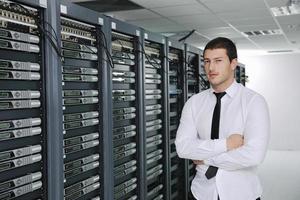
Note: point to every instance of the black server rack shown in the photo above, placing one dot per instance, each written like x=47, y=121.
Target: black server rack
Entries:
x=176, y=71
x=155, y=143
x=240, y=74
x=203, y=81
x=193, y=62
x=126, y=110
x=23, y=147
x=81, y=70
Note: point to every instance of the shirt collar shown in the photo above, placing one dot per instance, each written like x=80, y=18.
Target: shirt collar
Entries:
x=231, y=90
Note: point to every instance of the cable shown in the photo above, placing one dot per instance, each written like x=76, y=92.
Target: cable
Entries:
x=188, y=35
x=43, y=31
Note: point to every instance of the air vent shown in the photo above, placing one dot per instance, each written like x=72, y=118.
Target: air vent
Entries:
x=292, y=9
x=281, y=51
x=263, y=32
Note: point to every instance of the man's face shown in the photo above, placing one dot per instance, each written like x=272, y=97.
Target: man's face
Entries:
x=218, y=68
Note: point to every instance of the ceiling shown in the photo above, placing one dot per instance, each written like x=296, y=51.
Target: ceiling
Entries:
x=213, y=18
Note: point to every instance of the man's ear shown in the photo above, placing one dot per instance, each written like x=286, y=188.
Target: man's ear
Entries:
x=234, y=63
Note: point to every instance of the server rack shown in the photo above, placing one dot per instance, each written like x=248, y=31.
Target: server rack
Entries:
x=175, y=71
x=127, y=111
x=23, y=147
x=203, y=81
x=240, y=74
x=193, y=60
x=155, y=129
x=81, y=70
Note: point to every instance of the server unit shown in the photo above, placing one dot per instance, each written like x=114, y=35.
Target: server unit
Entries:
x=81, y=91
x=125, y=74
x=203, y=81
x=176, y=90
x=155, y=116
x=23, y=151
x=192, y=87
x=240, y=74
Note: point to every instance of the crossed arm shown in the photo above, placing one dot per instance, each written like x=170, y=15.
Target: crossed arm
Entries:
x=239, y=150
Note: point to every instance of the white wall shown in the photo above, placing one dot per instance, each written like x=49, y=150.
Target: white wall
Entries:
x=277, y=78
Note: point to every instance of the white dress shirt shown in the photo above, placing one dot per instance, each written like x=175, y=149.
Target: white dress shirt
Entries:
x=243, y=111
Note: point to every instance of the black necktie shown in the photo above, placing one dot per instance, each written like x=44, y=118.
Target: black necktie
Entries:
x=212, y=171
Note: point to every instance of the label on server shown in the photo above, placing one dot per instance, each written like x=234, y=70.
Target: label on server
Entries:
x=124, y=147
x=153, y=112
x=154, y=169
x=154, y=159
x=19, y=36
x=80, y=162
x=79, y=78
x=153, y=144
x=123, y=54
x=160, y=197
x=19, y=46
x=123, y=74
x=79, y=101
x=21, y=191
x=152, y=76
x=80, y=116
x=154, y=122
x=78, y=186
x=4, y=105
x=18, y=75
x=133, y=198
x=153, y=97
x=20, y=181
x=83, y=192
x=153, y=107
x=124, y=98
x=123, y=110
x=80, y=93
x=9, y=64
x=124, y=129
x=153, y=128
x=81, y=170
x=124, y=117
x=124, y=185
x=124, y=154
x=79, y=139
x=19, y=123
x=125, y=172
x=20, y=162
x=79, y=70
x=79, y=124
x=19, y=94
x=123, y=61
x=20, y=133
x=124, y=135
x=154, y=174
x=125, y=191
x=124, y=80
x=79, y=55
x=79, y=47
x=123, y=92
x=20, y=152
x=153, y=154
x=153, y=91
x=124, y=166
x=153, y=138
x=86, y=145
x=152, y=81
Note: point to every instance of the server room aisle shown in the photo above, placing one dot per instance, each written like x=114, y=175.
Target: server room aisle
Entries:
x=280, y=175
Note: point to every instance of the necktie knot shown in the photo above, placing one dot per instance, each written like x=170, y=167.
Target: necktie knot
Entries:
x=219, y=95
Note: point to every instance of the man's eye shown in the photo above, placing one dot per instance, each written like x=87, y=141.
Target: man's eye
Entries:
x=218, y=60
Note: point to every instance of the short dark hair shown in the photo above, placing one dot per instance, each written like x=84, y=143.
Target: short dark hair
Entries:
x=223, y=43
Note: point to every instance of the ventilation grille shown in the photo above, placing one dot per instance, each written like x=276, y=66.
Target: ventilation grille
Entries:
x=281, y=51
x=263, y=32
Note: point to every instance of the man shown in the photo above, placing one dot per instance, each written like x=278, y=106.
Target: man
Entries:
x=224, y=130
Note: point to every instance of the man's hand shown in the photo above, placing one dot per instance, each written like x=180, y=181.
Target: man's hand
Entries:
x=198, y=162
x=234, y=141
